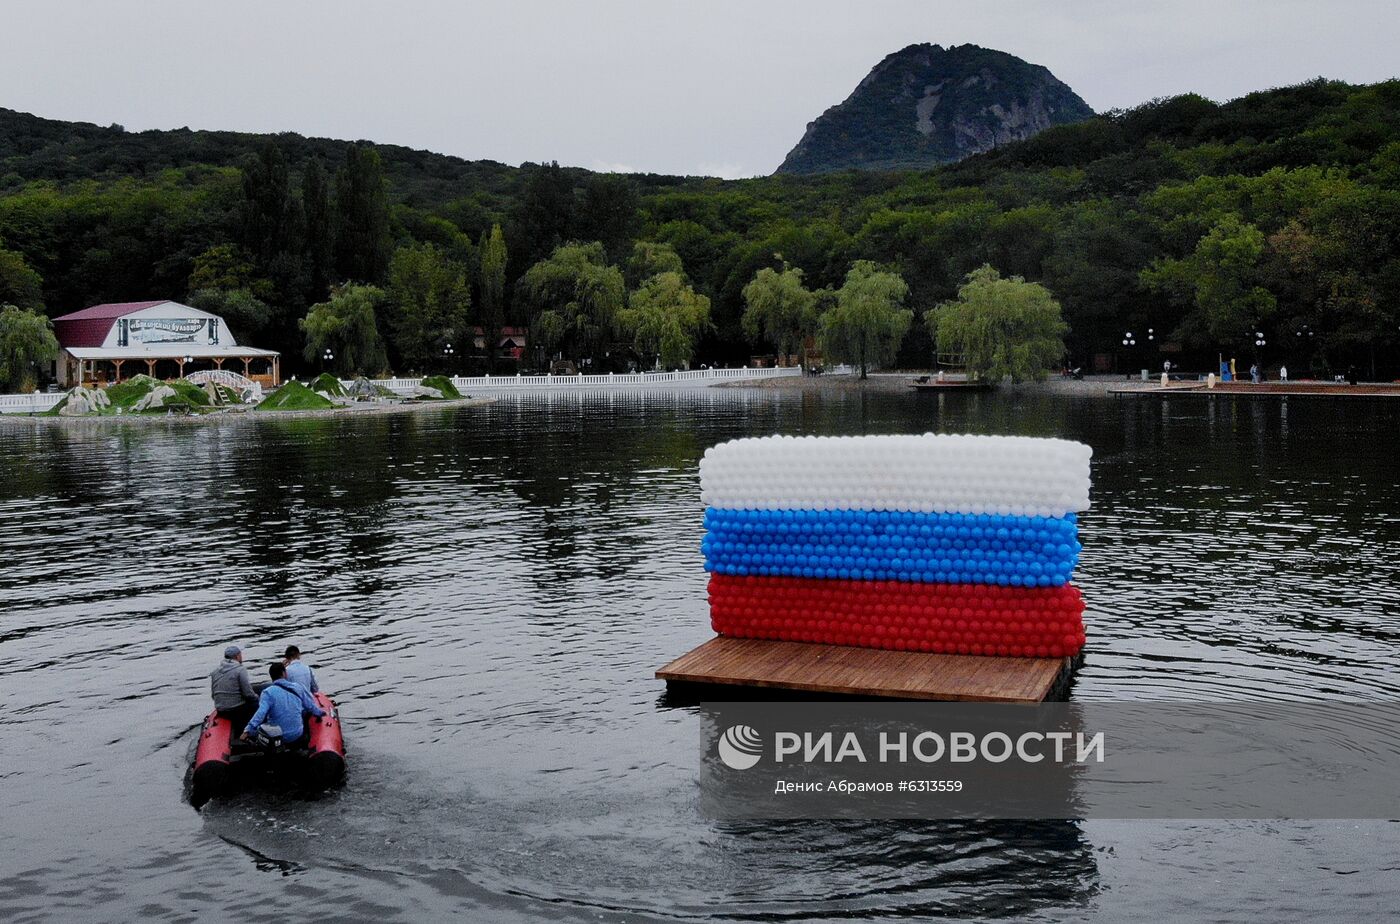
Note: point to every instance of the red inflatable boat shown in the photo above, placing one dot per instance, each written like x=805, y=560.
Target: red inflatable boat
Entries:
x=320, y=761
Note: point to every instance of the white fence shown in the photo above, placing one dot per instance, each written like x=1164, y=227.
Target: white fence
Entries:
x=619, y=380
x=35, y=403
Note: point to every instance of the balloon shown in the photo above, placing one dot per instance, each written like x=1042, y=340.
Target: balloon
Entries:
x=950, y=617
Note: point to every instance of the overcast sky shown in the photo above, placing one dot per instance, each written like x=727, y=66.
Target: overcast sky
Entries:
x=711, y=86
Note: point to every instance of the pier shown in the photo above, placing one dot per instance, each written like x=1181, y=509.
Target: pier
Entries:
x=1308, y=389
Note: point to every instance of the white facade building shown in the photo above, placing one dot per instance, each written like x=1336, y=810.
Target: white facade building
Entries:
x=112, y=342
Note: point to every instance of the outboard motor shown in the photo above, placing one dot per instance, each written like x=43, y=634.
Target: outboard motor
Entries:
x=270, y=739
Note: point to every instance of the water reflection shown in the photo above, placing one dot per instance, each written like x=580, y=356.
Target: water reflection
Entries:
x=488, y=591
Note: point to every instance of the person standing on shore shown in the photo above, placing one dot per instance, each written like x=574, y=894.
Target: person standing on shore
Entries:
x=1254, y=373
x=232, y=690
x=1283, y=373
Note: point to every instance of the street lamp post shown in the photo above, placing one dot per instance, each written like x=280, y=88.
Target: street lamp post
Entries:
x=1305, y=343
x=326, y=358
x=448, y=353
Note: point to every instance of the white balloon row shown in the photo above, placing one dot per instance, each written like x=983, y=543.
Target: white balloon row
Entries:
x=930, y=473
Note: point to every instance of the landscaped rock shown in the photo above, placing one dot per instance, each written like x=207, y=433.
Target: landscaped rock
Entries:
x=423, y=391
x=83, y=401
x=155, y=399
x=363, y=388
x=212, y=391
x=328, y=385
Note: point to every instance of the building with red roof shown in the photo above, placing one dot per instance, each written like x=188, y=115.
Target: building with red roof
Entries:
x=164, y=339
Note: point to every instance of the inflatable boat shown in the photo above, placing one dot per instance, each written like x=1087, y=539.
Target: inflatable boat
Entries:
x=220, y=761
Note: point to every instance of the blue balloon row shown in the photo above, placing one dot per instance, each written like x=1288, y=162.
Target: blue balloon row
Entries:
x=889, y=545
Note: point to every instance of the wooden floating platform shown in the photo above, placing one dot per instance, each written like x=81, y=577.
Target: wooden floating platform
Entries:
x=951, y=386
x=841, y=670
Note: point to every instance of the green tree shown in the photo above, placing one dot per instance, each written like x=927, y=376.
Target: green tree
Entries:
x=26, y=342
x=271, y=221
x=1218, y=283
x=869, y=320
x=575, y=299
x=665, y=317
x=319, y=254
x=427, y=305
x=1003, y=327
x=781, y=310
x=1337, y=272
x=493, y=291
x=347, y=325
x=543, y=218
x=19, y=285
x=650, y=258
x=226, y=267
x=245, y=314
x=362, y=241
x=607, y=213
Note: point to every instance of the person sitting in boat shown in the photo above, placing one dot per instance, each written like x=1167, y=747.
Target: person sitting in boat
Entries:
x=232, y=690
x=282, y=704
x=297, y=670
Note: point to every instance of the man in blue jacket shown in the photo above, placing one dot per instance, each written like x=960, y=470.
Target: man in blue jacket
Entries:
x=282, y=704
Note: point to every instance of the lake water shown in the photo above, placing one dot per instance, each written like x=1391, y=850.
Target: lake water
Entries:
x=487, y=592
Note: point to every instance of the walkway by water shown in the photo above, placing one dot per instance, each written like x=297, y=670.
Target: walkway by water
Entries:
x=1262, y=389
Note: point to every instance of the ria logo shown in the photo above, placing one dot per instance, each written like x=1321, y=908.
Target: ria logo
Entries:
x=740, y=747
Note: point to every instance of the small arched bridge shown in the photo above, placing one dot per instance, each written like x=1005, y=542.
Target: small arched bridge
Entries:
x=239, y=383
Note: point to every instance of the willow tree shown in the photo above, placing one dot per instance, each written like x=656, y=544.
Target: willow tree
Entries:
x=26, y=341
x=869, y=320
x=1004, y=327
x=780, y=309
x=347, y=326
x=576, y=298
x=665, y=317
x=651, y=258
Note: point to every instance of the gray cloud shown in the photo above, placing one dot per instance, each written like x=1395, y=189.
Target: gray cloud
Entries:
x=713, y=86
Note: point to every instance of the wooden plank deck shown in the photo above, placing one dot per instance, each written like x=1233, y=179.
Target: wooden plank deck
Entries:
x=1262, y=390
x=847, y=671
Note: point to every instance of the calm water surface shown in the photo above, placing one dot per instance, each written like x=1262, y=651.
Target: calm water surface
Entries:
x=488, y=590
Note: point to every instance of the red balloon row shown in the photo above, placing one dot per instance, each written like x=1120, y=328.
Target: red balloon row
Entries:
x=948, y=618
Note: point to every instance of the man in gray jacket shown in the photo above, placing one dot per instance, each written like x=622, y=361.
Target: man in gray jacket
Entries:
x=232, y=690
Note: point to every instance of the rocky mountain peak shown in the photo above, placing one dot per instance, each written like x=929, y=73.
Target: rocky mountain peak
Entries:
x=926, y=105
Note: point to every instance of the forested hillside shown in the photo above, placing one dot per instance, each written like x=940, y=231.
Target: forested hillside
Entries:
x=1278, y=212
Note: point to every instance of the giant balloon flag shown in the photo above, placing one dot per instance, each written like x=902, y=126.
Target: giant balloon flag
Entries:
x=940, y=543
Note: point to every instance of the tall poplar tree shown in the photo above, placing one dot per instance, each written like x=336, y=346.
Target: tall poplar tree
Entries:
x=362, y=246
x=271, y=222
x=493, y=291
x=319, y=255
